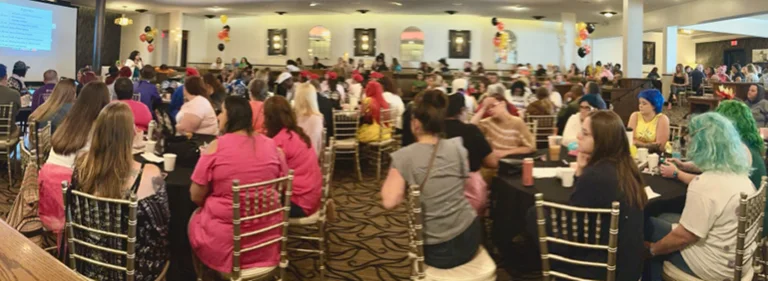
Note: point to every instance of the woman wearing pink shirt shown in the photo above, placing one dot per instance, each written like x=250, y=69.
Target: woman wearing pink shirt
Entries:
x=141, y=114
x=242, y=154
x=281, y=125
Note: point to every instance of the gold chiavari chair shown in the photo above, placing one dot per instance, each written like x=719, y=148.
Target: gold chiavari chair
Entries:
x=480, y=268
x=559, y=218
x=675, y=131
x=260, y=200
x=317, y=222
x=533, y=126
x=345, y=125
x=546, y=125
x=376, y=151
x=9, y=137
x=90, y=219
x=749, y=240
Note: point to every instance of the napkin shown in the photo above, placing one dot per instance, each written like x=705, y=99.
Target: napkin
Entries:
x=540, y=173
x=649, y=192
x=152, y=158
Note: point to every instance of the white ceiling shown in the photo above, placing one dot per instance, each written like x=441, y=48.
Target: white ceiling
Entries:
x=586, y=10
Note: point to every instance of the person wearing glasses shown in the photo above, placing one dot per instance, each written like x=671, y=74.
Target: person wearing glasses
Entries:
x=587, y=104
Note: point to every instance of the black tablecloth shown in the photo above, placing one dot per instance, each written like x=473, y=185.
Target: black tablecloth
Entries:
x=510, y=201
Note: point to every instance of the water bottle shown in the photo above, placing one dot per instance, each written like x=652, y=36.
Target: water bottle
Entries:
x=676, y=149
x=151, y=129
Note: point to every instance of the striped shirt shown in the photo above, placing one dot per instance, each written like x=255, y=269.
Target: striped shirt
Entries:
x=507, y=134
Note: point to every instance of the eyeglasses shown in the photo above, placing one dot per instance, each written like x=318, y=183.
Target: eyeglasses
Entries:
x=587, y=108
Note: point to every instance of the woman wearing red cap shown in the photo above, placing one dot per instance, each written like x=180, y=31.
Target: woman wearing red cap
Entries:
x=372, y=105
x=355, y=89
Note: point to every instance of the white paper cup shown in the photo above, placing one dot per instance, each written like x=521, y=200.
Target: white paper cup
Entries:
x=149, y=147
x=642, y=154
x=653, y=161
x=169, y=162
x=567, y=177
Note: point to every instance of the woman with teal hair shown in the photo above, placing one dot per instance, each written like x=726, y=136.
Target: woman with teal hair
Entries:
x=705, y=235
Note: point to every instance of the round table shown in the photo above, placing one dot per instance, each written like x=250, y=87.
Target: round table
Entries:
x=510, y=201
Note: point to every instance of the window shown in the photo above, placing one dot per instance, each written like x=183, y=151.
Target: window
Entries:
x=412, y=44
x=319, y=42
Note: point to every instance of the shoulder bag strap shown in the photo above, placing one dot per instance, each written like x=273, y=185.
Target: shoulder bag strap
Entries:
x=431, y=162
x=137, y=182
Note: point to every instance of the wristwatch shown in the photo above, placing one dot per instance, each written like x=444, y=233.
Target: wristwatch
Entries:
x=674, y=174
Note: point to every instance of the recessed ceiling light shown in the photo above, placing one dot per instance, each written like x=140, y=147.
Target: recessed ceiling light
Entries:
x=518, y=8
x=608, y=14
x=216, y=9
x=686, y=31
x=458, y=4
x=396, y=3
x=313, y=4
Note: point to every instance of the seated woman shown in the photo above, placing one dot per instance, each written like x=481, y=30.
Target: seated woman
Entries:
x=56, y=107
x=141, y=114
x=258, y=94
x=214, y=91
x=73, y=137
x=650, y=126
x=108, y=170
x=196, y=115
x=758, y=104
x=543, y=105
x=371, y=129
x=308, y=115
x=606, y=173
x=571, y=107
x=752, y=143
x=587, y=104
x=703, y=244
x=282, y=127
x=519, y=95
x=239, y=153
x=451, y=231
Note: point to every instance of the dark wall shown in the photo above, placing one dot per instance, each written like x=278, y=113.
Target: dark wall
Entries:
x=711, y=53
x=110, y=47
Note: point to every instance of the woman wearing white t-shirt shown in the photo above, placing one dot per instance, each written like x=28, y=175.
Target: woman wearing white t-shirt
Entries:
x=704, y=243
x=197, y=114
x=395, y=102
x=134, y=61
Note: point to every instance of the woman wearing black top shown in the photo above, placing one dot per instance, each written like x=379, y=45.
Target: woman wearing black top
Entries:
x=472, y=138
x=736, y=72
x=654, y=74
x=607, y=173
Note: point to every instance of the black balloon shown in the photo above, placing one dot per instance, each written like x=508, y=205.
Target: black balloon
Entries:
x=221, y=47
x=590, y=28
x=147, y=29
x=494, y=21
x=226, y=27
x=498, y=34
x=150, y=40
x=582, y=52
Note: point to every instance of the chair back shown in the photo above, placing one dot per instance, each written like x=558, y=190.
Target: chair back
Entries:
x=546, y=125
x=260, y=200
x=345, y=124
x=533, y=126
x=579, y=236
x=40, y=141
x=91, y=220
x=416, y=232
x=327, y=170
x=751, y=212
x=675, y=131
x=387, y=121
x=7, y=121
x=136, y=97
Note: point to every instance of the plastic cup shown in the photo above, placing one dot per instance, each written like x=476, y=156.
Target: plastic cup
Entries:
x=169, y=162
x=653, y=161
x=567, y=177
x=149, y=147
x=555, y=143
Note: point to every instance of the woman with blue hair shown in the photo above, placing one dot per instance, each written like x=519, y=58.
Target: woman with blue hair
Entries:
x=702, y=244
x=650, y=126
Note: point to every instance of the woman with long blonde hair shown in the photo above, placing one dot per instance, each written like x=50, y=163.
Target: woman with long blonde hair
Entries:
x=57, y=106
x=108, y=170
x=308, y=114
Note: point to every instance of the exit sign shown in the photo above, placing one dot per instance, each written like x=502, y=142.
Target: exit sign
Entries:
x=734, y=43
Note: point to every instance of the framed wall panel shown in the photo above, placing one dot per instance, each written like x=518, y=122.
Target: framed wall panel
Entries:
x=459, y=44
x=277, y=42
x=365, y=42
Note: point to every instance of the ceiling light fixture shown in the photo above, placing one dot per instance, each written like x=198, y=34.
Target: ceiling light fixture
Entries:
x=210, y=16
x=216, y=9
x=608, y=14
x=518, y=8
x=396, y=3
x=123, y=20
x=363, y=11
x=538, y=17
x=451, y=12
x=313, y=4
x=281, y=13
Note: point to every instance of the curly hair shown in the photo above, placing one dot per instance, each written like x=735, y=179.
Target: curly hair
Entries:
x=715, y=145
x=654, y=97
x=741, y=117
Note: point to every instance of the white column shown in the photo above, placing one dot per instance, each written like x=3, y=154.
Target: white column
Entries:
x=175, y=25
x=670, y=50
x=632, y=27
x=568, y=30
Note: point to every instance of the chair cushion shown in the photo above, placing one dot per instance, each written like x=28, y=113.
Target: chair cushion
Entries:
x=305, y=220
x=252, y=273
x=480, y=268
x=672, y=273
x=345, y=143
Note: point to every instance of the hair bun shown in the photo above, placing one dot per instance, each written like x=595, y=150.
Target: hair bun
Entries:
x=435, y=98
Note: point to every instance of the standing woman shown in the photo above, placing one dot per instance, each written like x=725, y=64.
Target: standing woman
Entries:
x=57, y=106
x=679, y=83
x=650, y=127
x=134, y=61
x=373, y=103
x=282, y=127
x=72, y=137
x=308, y=115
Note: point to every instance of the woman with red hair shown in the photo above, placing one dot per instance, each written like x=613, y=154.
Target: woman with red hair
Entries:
x=373, y=103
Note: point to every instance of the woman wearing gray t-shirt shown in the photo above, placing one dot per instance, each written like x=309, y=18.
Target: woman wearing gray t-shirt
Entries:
x=452, y=233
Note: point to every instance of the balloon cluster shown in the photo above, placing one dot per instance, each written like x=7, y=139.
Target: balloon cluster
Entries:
x=224, y=33
x=501, y=40
x=583, y=30
x=149, y=37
